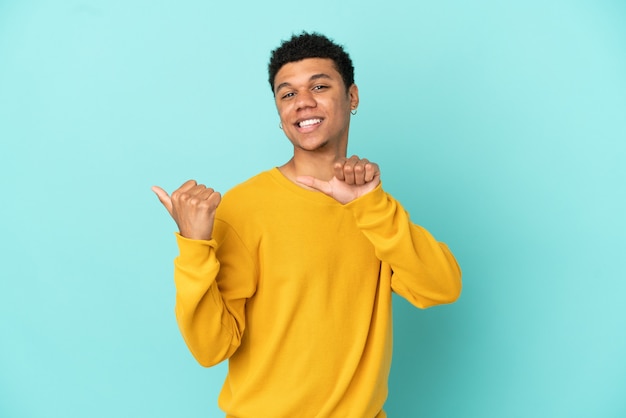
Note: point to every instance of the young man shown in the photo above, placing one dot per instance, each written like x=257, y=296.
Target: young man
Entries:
x=290, y=275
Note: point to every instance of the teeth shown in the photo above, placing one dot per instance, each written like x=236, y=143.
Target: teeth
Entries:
x=309, y=122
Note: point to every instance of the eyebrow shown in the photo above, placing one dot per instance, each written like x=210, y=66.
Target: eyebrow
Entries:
x=312, y=78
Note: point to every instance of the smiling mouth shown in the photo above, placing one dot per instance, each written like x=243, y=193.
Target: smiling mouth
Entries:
x=309, y=122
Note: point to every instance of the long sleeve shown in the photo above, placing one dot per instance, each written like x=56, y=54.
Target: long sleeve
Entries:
x=211, y=294
x=424, y=271
x=293, y=278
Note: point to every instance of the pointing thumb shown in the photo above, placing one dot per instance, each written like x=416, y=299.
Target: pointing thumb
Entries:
x=314, y=183
x=165, y=199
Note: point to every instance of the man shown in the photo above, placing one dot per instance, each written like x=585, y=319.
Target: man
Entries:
x=290, y=275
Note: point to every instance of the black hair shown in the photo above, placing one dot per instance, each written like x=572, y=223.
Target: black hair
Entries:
x=311, y=45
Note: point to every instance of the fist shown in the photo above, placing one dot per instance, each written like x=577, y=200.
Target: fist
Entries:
x=357, y=171
x=193, y=207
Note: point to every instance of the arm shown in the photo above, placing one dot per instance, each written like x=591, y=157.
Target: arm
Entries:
x=210, y=311
x=424, y=270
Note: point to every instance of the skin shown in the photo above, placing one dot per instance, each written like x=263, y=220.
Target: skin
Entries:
x=311, y=89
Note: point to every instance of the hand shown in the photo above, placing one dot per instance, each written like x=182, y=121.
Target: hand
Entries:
x=353, y=178
x=192, y=206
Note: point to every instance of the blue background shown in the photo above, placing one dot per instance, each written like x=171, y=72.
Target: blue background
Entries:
x=500, y=126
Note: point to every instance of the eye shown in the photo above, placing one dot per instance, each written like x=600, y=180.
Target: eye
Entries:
x=319, y=87
x=288, y=95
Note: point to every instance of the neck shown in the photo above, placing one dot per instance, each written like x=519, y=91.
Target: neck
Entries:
x=318, y=164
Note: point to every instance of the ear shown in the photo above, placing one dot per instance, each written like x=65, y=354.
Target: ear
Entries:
x=353, y=94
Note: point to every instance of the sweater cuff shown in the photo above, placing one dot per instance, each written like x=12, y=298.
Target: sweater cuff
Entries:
x=370, y=206
x=194, y=250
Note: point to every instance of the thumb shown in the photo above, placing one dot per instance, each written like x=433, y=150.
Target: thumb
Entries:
x=317, y=184
x=163, y=197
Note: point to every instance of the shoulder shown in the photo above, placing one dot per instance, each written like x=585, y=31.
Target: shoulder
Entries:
x=244, y=207
x=245, y=198
x=253, y=187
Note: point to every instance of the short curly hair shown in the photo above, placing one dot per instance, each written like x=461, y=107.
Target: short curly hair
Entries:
x=311, y=45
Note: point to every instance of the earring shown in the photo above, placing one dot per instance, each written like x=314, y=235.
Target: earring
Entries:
x=280, y=125
x=353, y=111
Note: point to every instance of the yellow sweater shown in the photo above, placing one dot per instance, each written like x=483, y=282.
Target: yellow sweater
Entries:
x=295, y=290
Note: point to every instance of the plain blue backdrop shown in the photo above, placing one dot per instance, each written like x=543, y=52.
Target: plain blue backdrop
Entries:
x=500, y=126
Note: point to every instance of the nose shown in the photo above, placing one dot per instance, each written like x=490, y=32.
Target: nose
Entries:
x=305, y=99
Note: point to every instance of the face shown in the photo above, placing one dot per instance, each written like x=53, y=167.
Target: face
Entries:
x=313, y=105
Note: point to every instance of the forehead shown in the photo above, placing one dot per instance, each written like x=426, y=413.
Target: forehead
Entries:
x=301, y=71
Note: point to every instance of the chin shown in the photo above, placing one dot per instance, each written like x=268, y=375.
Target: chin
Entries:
x=313, y=147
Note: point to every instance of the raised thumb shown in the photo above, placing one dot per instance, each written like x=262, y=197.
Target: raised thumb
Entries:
x=163, y=197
